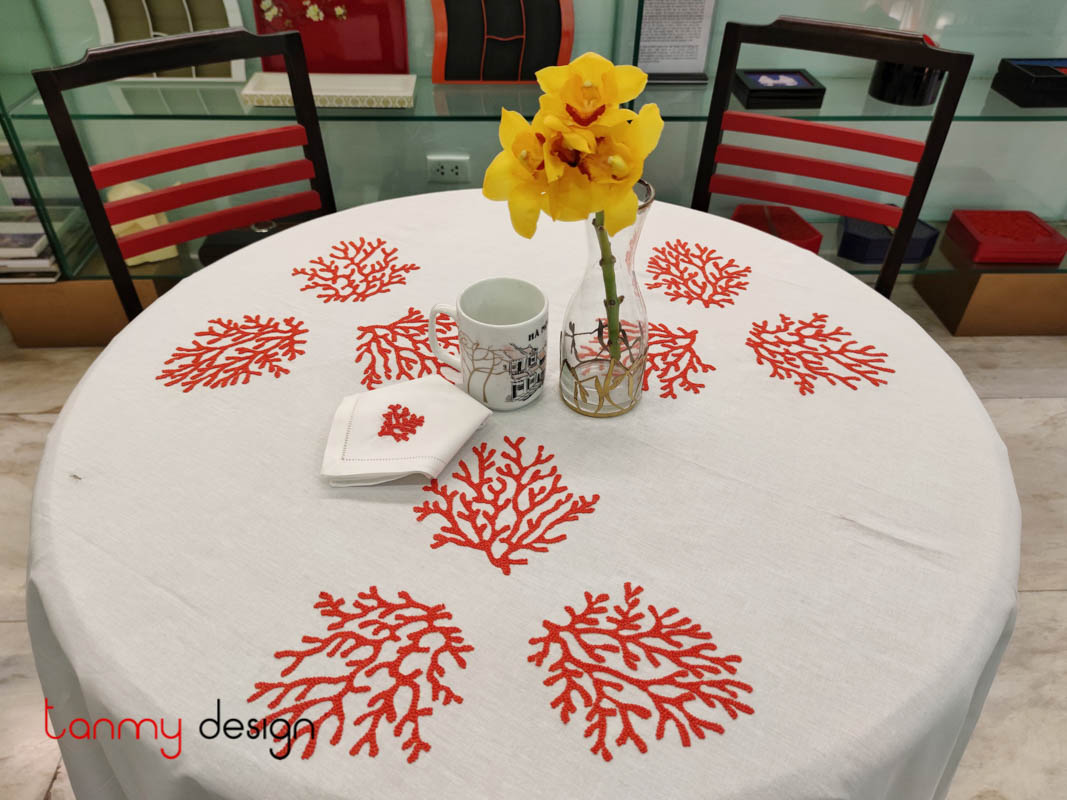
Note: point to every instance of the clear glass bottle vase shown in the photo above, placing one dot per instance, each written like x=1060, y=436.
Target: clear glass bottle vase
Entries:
x=604, y=338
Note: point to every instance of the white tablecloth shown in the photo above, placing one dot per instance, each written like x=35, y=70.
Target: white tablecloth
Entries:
x=809, y=485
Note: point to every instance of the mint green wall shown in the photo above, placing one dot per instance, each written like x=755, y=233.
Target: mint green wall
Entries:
x=25, y=44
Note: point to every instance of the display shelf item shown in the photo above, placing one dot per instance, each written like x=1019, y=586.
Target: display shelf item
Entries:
x=1033, y=82
x=1005, y=237
x=868, y=243
x=780, y=221
x=777, y=88
x=342, y=36
x=334, y=90
x=505, y=41
x=120, y=21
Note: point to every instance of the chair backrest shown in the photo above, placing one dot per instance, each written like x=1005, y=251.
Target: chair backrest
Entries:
x=128, y=59
x=848, y=40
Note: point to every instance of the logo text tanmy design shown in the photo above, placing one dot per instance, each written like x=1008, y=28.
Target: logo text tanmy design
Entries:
x=279, y=732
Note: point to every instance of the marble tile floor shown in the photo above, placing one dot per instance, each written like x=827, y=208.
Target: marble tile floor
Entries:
x=1019, y=749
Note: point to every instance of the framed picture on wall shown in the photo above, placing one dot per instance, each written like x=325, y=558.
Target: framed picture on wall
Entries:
x=132, y=20
x=505, y=41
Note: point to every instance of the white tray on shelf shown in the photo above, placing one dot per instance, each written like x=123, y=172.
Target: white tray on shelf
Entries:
x=334, y=90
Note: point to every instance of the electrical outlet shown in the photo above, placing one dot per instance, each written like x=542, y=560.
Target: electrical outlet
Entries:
x=448, y=168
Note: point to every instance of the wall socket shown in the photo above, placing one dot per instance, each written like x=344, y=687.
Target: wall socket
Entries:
x=448, y=168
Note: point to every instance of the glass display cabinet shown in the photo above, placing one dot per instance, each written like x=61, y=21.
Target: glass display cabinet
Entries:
x=994, y=157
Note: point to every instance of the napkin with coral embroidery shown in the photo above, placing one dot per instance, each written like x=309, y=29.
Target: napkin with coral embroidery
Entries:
x=415, y=427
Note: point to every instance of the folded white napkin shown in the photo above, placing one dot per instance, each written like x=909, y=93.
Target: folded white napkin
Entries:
x=406, y=428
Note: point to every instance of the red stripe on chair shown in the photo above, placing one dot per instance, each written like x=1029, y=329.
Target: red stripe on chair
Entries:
x=805, y=198
x=187, y=155
x=821, y=133
x=814, y=168
x=227, y=219
x=187, y=194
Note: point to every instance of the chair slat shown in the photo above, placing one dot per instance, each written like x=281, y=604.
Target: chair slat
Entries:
x=187, y=194
x=227, y=219
x=851, y=174
x=188, y=155
x=813, y=199
x=821, y=133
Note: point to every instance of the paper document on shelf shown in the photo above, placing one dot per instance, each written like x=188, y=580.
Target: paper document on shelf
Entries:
x=675, y=35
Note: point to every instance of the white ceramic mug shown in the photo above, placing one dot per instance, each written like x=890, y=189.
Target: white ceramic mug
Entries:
x=503, y=324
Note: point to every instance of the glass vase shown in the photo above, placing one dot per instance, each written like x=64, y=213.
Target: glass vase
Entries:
x=604, y=338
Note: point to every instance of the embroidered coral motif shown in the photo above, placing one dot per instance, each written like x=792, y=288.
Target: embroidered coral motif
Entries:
x=386, y=658
x=231, y=352
x=806, y=351
x=696, y=274
x=354, y=271
x=634, y=672
x=402, y=348
x=400, y=423
x=673, y=359
x=507, y=509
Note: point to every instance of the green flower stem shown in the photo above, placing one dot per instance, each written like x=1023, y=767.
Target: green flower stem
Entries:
x=611, y=298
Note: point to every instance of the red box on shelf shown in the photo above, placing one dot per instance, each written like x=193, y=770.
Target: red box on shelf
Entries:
x=1010, y=237
x=780, y=221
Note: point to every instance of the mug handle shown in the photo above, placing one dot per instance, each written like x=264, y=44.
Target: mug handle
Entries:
x=447, y=358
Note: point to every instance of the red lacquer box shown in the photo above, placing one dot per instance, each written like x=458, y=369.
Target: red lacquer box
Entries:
x=351, y=36
x=780, y=221
x=1008, y=237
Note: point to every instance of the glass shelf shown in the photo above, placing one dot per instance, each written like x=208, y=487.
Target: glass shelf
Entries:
x=189, y=100
x=937, y=262
x=186, y=263
x=846, y=100
x=181, y=266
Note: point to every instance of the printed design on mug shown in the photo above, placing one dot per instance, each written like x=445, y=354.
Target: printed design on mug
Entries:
x=806, y=351
x=400, y=423
x=633, y=673
x=695, y=273
x=230, y=352
x=523, y=366
x=401, y=349
x=509, y=505
x=385, y=658
x=353, y=271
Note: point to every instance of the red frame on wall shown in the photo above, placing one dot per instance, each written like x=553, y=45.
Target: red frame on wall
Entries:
x=338, y=44
x=440, y=46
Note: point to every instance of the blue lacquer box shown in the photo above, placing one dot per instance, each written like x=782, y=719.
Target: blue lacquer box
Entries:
x=868, y=242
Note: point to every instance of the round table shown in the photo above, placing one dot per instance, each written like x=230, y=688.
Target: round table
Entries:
x=789, y=573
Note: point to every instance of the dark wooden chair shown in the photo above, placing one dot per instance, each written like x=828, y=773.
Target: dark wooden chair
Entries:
x=847, y=40
x=128, y=59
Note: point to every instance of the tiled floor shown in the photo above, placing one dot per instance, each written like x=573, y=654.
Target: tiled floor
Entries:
x=1019, y=750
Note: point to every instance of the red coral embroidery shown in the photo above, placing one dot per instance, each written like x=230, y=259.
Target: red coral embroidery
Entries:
x=400, y=423
x=672, y=357
x=354, y=271
x=506, y=510
x=235, y=352
x=807, y=351
x=629, y=667
x=695, y=274
x=403, y=347
x=391, y=651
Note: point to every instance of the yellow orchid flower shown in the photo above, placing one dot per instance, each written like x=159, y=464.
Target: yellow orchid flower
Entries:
x=617, y=165
x=579, y=158
x=517, y=174
x=590, y=90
